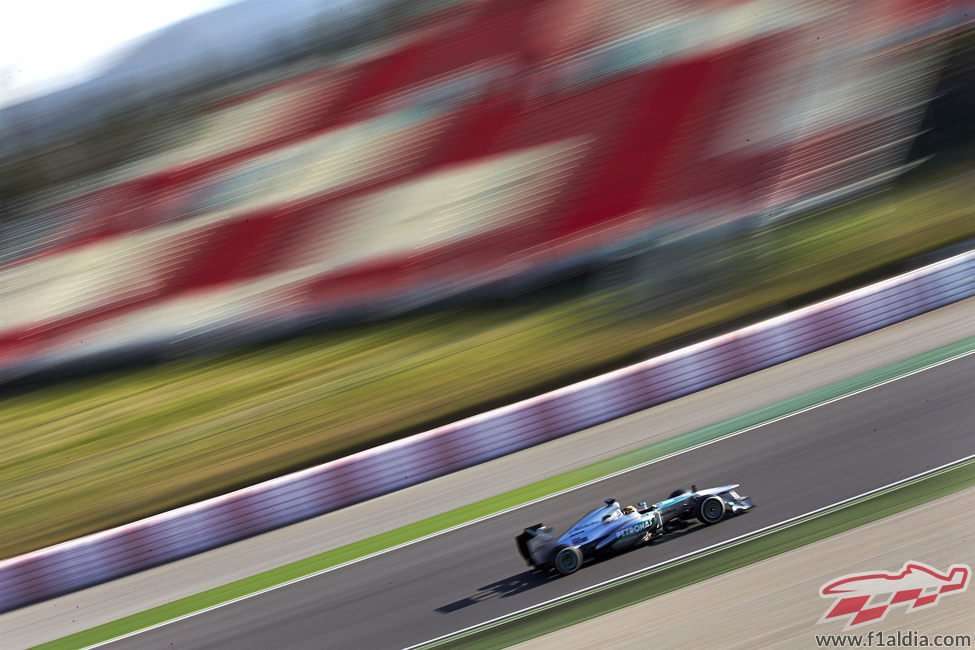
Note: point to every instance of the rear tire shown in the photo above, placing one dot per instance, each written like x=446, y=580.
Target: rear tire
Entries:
x=567, y=559
x=711, y=510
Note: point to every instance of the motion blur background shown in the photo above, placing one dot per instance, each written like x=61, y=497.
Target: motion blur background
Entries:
x=273, y=234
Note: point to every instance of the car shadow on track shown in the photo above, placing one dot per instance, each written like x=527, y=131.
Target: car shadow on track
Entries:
x=532, y=578
x=516, y=584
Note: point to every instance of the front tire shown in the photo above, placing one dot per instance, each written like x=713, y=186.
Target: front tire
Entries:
x=711, y=510
x=567, y=559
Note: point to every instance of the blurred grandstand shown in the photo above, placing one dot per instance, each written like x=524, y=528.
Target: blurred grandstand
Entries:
x=449, y=149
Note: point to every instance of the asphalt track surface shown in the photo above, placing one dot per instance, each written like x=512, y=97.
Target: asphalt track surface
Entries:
x=58, y=617
x=474, y=574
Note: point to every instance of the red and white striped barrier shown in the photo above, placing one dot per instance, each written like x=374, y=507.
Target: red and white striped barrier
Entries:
x=112, y=553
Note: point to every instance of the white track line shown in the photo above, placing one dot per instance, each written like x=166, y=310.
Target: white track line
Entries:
x=550, y=496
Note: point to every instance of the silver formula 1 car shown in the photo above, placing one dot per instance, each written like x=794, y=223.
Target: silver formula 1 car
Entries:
x=611, y=529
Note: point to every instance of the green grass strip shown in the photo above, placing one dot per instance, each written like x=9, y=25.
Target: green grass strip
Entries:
x=92, y=453
x=656, y=582
x=501, y=502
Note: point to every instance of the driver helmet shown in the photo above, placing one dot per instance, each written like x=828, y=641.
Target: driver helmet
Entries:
x=629, y=510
